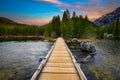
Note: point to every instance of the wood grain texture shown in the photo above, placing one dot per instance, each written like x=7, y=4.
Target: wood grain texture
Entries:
x=59, y=65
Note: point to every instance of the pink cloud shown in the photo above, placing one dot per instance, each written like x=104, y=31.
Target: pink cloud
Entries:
x=51, y=1
x=57, y=2
x=96, y=11
x=33, y=21
x=95, y=0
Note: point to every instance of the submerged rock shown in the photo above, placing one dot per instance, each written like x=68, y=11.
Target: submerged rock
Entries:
x=41, y=58
x=86, y=59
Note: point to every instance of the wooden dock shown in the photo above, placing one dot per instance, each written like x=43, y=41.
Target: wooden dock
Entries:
x=59, y=64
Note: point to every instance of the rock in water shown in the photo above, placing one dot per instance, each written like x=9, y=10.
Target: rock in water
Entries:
x=74, y=40
x=86, y=59
x=87, y=46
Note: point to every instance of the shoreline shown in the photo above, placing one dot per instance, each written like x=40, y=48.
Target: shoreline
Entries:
x=20, y=38
x=24, y=38
x=43, y=38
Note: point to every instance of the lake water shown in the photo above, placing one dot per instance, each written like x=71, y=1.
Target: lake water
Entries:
x=21, y=59
x=105, y=65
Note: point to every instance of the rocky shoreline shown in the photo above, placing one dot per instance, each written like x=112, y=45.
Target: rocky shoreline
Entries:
x=85, y=56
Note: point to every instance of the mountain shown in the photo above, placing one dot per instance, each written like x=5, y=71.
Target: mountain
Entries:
x=6, y=20
x=107, y=20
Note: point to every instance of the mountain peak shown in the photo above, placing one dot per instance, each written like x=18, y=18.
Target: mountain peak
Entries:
x=107, y=19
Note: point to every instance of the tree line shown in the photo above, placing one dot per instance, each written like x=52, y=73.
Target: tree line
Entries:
x=79, y=27
x=20, y=30
x=70, y=26
x=114, y=28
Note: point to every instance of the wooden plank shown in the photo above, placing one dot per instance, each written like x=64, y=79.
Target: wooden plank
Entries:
x=60, y=52
x=60, y=55
x=59, y=49
x=59, y=70
x=59, y=65
x=64, y=60
x=60, y=58
x=50, y=76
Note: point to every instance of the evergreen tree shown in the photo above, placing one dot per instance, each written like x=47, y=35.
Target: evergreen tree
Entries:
x=73, y=15
x=86, y=18
x=65, y=23
x=116, y=30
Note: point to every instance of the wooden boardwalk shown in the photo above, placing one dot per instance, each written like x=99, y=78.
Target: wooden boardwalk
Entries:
x=60, y=65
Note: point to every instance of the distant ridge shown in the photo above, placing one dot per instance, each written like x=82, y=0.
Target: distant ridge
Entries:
x=6, y=20
x=108, y=19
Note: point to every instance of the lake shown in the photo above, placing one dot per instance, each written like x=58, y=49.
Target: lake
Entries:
x=105, y=65
x=21, y=59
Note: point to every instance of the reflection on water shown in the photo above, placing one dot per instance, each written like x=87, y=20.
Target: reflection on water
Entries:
x=105, y=65
x=20, y=59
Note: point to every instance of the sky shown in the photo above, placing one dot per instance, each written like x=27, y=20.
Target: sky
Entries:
x=40, y=12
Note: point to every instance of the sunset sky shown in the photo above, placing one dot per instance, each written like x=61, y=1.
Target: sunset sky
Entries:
x=39, y=12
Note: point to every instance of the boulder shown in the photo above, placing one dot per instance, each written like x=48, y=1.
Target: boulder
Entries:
x=54, y=40
x=45, y=40
x=74, y=40
x=87, y=46
x=68, y=41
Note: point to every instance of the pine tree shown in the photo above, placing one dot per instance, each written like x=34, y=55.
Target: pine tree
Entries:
x=73, y=15
x=65, y=23
x=86, y=18
x=66, y=17
x=116, y=30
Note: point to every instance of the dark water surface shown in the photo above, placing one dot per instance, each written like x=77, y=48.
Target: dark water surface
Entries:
x=20, y=59
x=105, y=65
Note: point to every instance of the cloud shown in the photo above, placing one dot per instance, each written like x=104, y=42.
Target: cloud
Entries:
x=51, y=1
x=33, y=21
x=56, y=2
x=95, y=0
